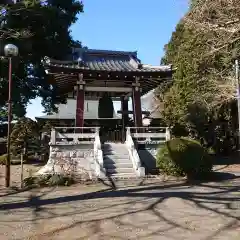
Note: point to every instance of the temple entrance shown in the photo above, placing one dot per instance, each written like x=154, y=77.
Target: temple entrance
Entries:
x=112, y=134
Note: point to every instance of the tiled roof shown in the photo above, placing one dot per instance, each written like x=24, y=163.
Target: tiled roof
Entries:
x=68, y=111
x=105, y=60
x=104, y=68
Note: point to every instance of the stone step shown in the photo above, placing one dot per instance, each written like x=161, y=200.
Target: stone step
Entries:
x=115, y=148
x=118, y=165
x=113, y=144
x=117, y=155
x=119, y=170
x=115, y=152
x=116, y=160
x=125, y=181
x=123, y=176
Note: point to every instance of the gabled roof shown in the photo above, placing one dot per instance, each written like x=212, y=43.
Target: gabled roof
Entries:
x=105, y=60
x=68, y=111
x=100, y=66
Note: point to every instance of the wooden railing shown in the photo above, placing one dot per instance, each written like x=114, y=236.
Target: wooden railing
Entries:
x=150, y=134
x=73, y=135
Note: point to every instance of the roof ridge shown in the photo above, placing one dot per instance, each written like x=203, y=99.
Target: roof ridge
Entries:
x=89, y=50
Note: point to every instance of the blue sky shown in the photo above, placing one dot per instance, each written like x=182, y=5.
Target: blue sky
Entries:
x=127, y=25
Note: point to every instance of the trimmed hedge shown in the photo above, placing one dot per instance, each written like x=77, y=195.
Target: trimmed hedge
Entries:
x=184, y=157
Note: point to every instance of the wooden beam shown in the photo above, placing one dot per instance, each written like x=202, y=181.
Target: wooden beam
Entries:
x=131, y=112
x=108, y=89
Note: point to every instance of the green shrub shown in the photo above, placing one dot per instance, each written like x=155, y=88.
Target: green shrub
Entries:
x=3, y=159
x=60, y=180
x=184, y=157
x=48, y=180
x=29, y=181
x=15, y=160
x=42, y=180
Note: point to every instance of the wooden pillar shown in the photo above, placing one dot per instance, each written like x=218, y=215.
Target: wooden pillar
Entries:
x=80, y=102
x=136, y=102
x=124, y=104
x=124, y=108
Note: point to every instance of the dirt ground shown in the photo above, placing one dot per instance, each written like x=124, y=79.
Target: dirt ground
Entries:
x=228, y=168
x=160, y=210
x=28, y=169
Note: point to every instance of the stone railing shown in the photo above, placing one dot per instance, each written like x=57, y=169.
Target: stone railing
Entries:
x=150, y=134
x=72, y=135
x=75, y=152
x=98, y=156
x=146, y=136
x=133, y=154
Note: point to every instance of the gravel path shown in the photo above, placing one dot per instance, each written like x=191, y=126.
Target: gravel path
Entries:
x=170, y=210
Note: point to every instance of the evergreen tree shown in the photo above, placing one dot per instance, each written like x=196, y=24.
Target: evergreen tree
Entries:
x=200, y=101
x=25, y=136
x=39, y=29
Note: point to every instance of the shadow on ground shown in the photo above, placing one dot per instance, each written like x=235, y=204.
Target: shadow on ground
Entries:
x=138, y=208
x=227, y=160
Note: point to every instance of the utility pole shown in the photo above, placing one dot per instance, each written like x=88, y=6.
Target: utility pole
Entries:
x=238, y=98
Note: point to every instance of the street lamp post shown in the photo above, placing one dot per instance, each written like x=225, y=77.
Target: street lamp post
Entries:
x=10, y=51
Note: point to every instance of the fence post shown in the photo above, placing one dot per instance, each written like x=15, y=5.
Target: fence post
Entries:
x=21, y=170
x=53, y=136
x=128, y=133
x=168, y=134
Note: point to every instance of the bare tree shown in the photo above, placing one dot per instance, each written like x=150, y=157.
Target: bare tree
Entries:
x=220, y=19
x=219, y=22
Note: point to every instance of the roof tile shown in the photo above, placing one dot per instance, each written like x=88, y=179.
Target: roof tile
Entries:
x=103, y=60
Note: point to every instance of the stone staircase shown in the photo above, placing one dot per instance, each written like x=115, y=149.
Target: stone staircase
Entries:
x=116, y=161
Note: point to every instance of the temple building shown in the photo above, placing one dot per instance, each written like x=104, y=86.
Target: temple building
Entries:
x=86, y=78
x=88, y=74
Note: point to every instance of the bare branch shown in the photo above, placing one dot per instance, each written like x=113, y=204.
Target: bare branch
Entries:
x=215, y=14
